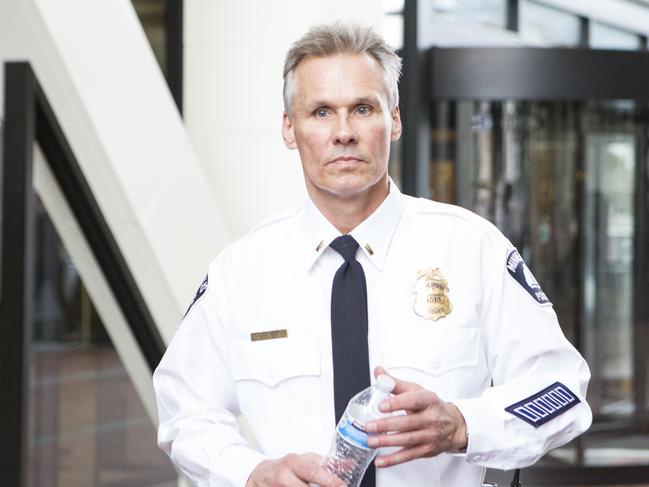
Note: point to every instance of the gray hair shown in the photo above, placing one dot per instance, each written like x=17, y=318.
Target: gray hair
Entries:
x=338, y=38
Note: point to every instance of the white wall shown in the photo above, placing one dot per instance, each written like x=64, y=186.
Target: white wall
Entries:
x=98, y=70
x=234, y=55
x=99, y=73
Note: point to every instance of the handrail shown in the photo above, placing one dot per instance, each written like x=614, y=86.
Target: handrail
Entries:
x=70, y=178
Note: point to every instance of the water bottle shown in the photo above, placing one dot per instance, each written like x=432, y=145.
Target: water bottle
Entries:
x=349, y=455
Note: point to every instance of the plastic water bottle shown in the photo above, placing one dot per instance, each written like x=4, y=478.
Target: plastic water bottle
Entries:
x=349, y=455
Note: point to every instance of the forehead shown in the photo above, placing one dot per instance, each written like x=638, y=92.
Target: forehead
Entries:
x=339, y=77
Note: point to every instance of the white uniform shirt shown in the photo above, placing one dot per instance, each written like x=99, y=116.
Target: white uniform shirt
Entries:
x=499, y=331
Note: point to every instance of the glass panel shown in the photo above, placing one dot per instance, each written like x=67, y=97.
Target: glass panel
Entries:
x=87, y=424
x=516, y=164
x=606, y=37
x=491, y=12
x=559, y=178
x=609, y=212
x=546, y=25
x=442, y=151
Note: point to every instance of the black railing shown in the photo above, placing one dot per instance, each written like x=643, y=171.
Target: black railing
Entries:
x=30, y=119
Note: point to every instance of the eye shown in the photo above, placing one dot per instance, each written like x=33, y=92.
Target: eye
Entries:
x=320, y=112
x=363, y=109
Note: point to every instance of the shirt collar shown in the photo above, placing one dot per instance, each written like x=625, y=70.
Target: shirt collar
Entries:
x=373, y=235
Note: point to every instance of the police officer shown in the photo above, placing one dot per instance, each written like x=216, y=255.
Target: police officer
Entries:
x=443, y=301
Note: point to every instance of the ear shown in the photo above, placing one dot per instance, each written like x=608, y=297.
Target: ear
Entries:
x=288, y=133
x=395, y=115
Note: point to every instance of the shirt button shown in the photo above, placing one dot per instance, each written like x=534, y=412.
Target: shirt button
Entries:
x=437, y=364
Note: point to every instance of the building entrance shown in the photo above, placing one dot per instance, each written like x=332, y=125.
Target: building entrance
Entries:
x=565, y=178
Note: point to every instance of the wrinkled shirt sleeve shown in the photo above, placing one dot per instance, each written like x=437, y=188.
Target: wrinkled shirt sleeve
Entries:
x=196, y=398
x=536, y=373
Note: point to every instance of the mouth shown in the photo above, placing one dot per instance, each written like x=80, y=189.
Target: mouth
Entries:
x=345, y=159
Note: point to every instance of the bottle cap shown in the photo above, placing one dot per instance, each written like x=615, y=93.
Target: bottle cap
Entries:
x=385, y=383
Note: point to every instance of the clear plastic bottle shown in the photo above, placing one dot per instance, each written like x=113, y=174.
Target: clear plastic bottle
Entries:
x=350, y=455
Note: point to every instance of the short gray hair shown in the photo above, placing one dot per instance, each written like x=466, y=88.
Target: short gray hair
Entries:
x=339, y=38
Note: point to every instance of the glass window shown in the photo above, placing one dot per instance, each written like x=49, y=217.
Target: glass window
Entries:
x=492, y=12
x=87, y=424
x=603, y=36
x=546, y=25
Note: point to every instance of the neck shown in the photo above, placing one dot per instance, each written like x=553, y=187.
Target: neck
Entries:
x=347, y=213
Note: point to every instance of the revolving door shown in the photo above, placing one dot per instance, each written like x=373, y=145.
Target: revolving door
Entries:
x=556, y=157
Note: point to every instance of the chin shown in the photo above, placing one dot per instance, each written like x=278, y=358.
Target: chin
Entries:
x=350, y=187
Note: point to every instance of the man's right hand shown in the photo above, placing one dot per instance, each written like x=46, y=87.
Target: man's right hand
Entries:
x=293, y=471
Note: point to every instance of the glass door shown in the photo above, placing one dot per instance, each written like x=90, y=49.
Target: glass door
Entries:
x=559, y=179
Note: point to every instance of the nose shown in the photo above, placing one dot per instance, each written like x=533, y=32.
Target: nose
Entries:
x=344, y=132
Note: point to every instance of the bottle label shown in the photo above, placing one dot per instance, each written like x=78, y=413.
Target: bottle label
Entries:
x=352, y=432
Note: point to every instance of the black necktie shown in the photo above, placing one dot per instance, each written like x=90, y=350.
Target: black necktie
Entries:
x=349, y=332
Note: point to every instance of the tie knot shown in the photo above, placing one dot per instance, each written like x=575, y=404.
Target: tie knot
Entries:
x=346, y=246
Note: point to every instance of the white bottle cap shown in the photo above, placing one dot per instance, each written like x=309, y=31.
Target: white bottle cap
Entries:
x=385, y=383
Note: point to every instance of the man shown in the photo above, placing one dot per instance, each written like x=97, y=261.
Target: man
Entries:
x=293, y=317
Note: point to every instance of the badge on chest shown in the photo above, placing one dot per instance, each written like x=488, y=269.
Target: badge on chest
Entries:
x=430, y=292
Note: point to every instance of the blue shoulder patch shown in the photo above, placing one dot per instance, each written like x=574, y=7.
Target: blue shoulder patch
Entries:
x=545, y=405
x=201, y=290
x=522, y=274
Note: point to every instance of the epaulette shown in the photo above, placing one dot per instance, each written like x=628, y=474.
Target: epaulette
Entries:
x=276, y=218
x=424, y=205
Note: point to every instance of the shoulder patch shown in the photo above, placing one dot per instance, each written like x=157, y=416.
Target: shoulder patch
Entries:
x=201, y=290
x=522, y=274
x=545, y=405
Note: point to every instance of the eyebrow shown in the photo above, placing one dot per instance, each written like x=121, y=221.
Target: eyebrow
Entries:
x=363, y=100
x=367, y=100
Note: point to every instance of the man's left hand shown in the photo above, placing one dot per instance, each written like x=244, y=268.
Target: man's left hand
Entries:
x=430, y=426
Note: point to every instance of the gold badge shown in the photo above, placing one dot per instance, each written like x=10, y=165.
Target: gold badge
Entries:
x=431, y=294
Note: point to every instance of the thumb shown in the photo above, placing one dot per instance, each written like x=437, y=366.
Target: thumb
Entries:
x=380, y=370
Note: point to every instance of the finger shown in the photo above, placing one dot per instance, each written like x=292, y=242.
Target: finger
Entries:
x=408, y=439
x=414, y=400
x=305, y=467
x=405, y=422
x=380, y=370
x=404, y=455
x=400, y=385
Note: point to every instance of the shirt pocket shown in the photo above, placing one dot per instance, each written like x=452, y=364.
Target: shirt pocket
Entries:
x=278, y=389
x=273, y=361
x=438, y=357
